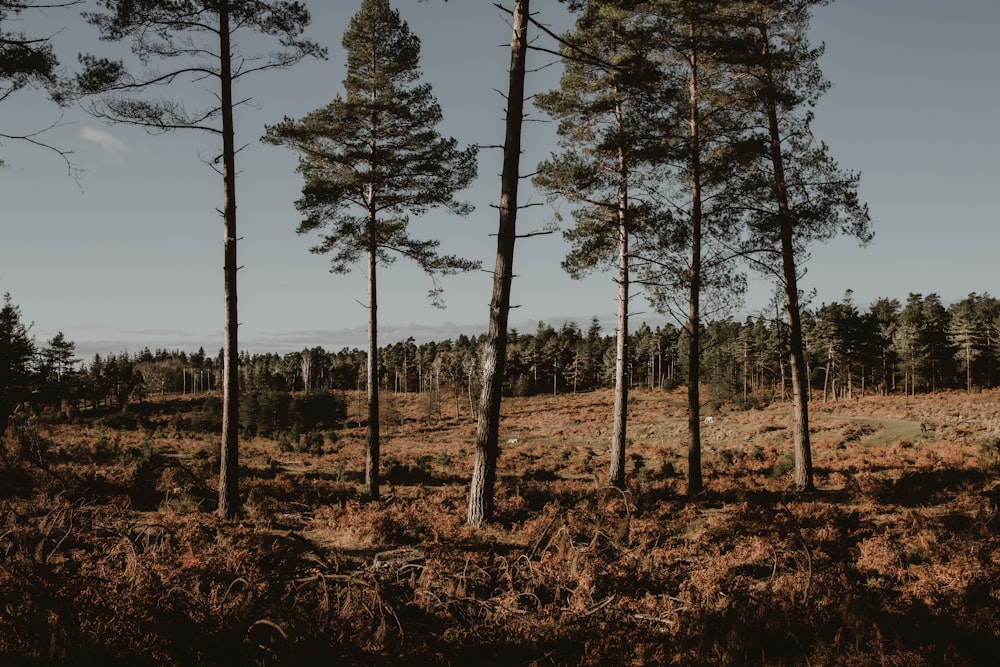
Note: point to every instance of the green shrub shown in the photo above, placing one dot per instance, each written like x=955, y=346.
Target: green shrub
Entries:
x=210, y=452
x=208, y=419
x=270, y=413
x=726, y=458
x=318, y=410
x=989, y=453
x=106, y=448
x=312, y=443
x=285, y=442
x=265, y=413
x=783, y=466
x=118, y=421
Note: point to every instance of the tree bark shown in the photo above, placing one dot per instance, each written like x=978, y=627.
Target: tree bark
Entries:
x=695, y=483
x=619, y=430
x=786, y=222
x=372, y=447
x=481, y=493
x=229, y=492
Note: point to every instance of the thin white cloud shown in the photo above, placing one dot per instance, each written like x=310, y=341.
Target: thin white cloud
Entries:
x=110, y=145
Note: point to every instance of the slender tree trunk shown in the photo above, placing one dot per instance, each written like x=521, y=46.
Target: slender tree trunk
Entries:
x=784, y=380
x=484, y=470
x=374, y=443
x=372, y=449
x=800, y=396
x=826, y=379
x=229, y=491
x=745, y=356
x=695, y=483
x=472, y=404
x=968, y=368
x=885, y=373
x=619, y=429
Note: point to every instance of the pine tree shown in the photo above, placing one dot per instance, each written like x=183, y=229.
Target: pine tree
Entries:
x=29, y=61
x=368, y=159
x=882, y=320
x=607, y=105
x=17, y=352
x=494, y=356
x=202, y=35
x=691, y=251
x=965, y=333
x=795, y=193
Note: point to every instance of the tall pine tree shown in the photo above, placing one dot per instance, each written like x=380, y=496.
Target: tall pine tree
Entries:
x=17, y=353
x=607, y=106
x=201, y=37
x=795, y=193
x=494, y=356
x=693, y=246
x=370, y=158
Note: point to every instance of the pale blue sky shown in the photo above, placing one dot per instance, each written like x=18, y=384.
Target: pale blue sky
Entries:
x=132, y=255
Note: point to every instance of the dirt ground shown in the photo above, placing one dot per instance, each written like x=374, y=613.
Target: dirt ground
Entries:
x=110, y=552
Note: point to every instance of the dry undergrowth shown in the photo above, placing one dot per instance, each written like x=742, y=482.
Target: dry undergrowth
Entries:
x=110, y=552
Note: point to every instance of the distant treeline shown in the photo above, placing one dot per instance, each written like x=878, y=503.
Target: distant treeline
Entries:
x=916, y=346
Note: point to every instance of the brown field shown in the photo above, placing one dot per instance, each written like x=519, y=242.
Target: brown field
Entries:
x=110, y=552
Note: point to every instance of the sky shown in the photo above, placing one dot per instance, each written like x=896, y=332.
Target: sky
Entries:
x=128, y=254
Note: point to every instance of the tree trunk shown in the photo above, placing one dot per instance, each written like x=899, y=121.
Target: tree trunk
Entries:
x=619, y=429
x=826, y=379
x=372, y=448
x=695, y=484
x=800, y=396
x=616, y=475
x=229, y=491
x=469, y=375
x=484, y=470
x=784, y=380
x=968, y=368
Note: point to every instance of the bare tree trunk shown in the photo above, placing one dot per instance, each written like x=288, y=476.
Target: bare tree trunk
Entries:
x=695, y=483
x=484, y=470
x=372, y=448
x=968, y=368
x=746, y=354
x=472, y=400
x=784, y=380
x=826, y=378
x=619, y=429
x=616, y=475
x=229, y=491
x=371, y=368
x=800, y=396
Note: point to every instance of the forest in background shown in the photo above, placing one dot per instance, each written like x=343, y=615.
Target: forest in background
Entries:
x=920, y=346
